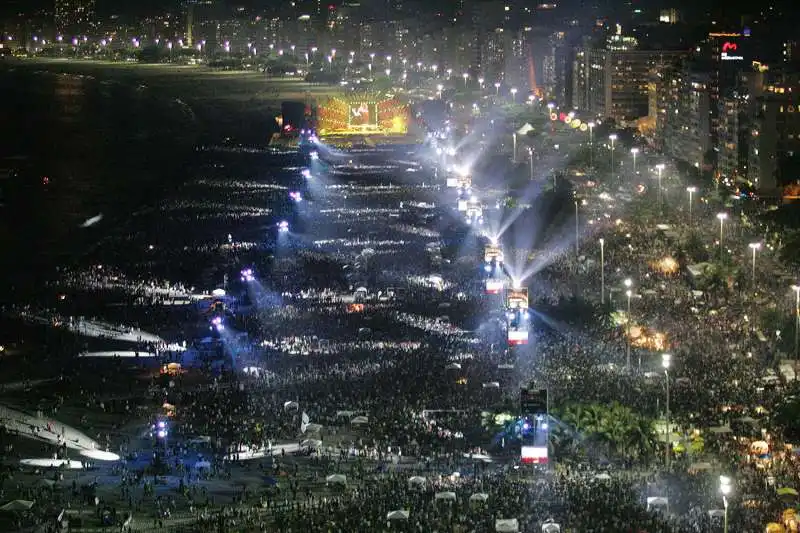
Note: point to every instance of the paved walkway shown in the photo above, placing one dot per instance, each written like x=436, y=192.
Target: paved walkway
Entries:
x=45, y=429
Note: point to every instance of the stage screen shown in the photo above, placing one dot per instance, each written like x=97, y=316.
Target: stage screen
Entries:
x=517, y=299
x=453, y=182
x=493, y=253
x=517, y=337
x=363, y=114
x=462, y=205
x=494, y=286
x=534, y=455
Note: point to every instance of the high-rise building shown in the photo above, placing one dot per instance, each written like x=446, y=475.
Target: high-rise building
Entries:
x=614, y=81
x=735, y=110
x=775, y=131
x=557, y=71
x=74, y=17
x=683, y=124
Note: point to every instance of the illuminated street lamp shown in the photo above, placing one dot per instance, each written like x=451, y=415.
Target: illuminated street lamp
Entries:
x=612, y=138
x=497, y=88
x=628, y=292
x=466, y=77
x=388, y=72
x=721, y=217
x=514, y=94
x=634, y=151
x=666, y=359
x=434, y=68
x=755, y=246
x=439, y=90
x=602, y=271
x=691, y=191
x=449, y=73
x=480, y=82
x=530, y=159
x=796, y=289
x=725, y=487
x=591, y=125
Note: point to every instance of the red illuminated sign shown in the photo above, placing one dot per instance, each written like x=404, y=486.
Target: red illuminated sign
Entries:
x=729, y=47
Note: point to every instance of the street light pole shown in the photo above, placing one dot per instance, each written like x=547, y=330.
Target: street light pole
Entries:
x=602, y=271
x=725, y=489
x=577, y=231
x=628, y=293
x=755, y=246
x=530, y=158
x=796, y=289
x=721, y=217
x=691, y=191
x=634, y=151
x=591, y=144
x=666, y=359
x=514, y=141
x=612, y=138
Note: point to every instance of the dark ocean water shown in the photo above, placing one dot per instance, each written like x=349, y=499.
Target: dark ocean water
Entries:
x=73, y=147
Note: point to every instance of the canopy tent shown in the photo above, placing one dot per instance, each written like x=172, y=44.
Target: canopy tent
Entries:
x=720, y=430
x=453, y=366
x=311, y=443
x=336, y=478
x=360, y=421
x=656, y=502
x=397, y=515
x=479, y=497
x=506, y=525
x=446, y=496
x=17, y=505
x=787, y=491
x=416, y=481
x=716, y=513
x=602, y=477
x=524, y=129
x=491, y=385
x=290, y=405
x=345, y=414
x=551, y=527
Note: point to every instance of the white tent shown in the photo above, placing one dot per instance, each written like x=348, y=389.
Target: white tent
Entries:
x=446, y=496
x=700, y=466
x=336, y=478
x=345, y=414
x=416, y=481
x=602, y=477
x=720, y=430
x=313, y=428
x=291, y=405
x=397, y=515
x=524, y=129
x=491, y=385
x=360, y=421
x=506, y=525
x=716, y=513
x=479, y=497
x=453, y=366
x=17, y=505
x=657, y=502
x=551, y=527
x=311, y=443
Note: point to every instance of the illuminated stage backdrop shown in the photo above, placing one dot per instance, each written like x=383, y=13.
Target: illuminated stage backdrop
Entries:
x=363, y=114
